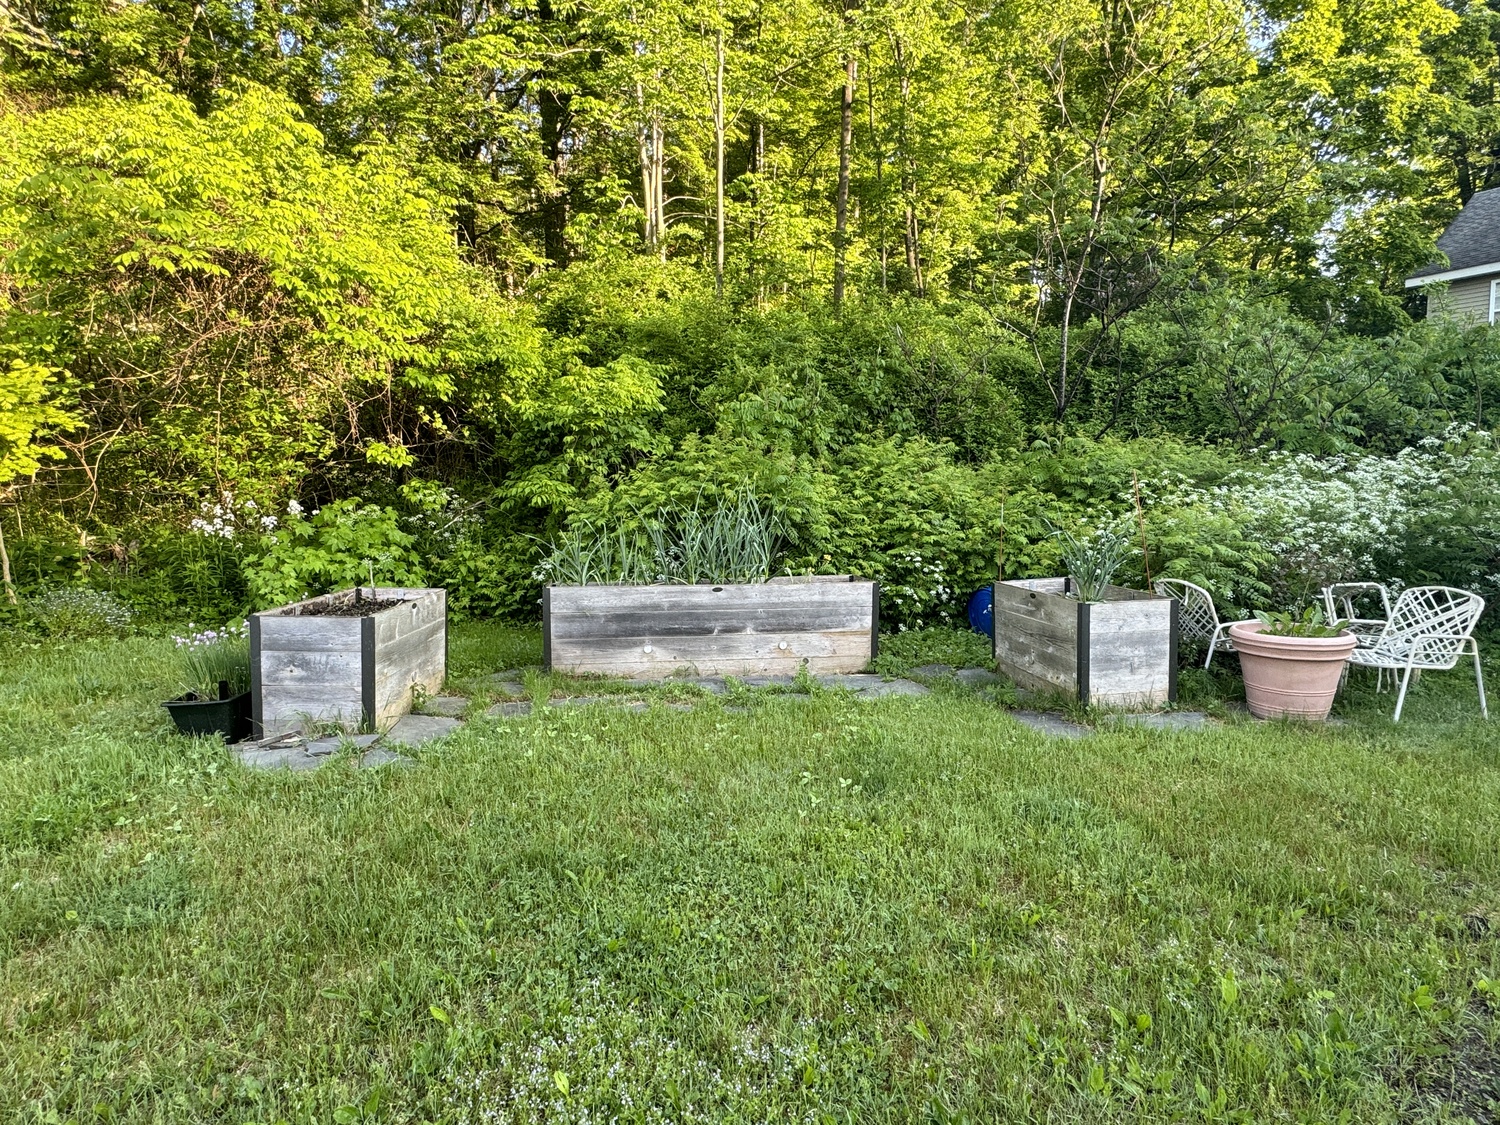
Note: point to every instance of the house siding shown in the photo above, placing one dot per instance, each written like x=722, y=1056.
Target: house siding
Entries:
x=1469, y=298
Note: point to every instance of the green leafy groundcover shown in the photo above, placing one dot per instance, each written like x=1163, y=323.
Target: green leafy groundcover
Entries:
x=817, y=910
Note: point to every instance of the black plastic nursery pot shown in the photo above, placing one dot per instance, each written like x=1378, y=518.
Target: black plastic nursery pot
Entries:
x=199, y=717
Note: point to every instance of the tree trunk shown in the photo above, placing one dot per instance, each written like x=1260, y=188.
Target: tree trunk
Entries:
x=914, y=250
x=555, y=113
x=10, y=589
x=911, y=235
x=651, y=138
x=878, y=155
x=719, y=162
x=841, y=202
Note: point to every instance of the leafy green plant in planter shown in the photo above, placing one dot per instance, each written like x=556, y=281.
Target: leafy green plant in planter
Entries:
x=343, y=543
x=1092, y=562
x=1309, y=623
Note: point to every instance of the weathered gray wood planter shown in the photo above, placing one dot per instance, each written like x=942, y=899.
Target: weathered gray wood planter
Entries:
x=356, y=671
x=830, y=624
x=1120, y=652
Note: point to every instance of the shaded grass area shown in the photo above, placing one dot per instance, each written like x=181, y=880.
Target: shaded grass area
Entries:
x=814, y=909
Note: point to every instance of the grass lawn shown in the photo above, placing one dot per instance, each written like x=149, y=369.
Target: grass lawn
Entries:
x=824, y=910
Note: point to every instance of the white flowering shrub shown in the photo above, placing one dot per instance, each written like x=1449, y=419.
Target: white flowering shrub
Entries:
x=1427, y=514
x=916, y=590
x=227, y=518
x=79, y=613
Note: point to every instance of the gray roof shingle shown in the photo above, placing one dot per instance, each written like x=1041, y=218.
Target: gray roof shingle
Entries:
x=1473, y=238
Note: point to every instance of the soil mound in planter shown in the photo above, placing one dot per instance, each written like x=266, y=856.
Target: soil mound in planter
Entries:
x=366, y=607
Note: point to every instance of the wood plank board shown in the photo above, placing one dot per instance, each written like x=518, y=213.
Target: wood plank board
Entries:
x=1036, y=634
x=650, y=632
x=1129, y=653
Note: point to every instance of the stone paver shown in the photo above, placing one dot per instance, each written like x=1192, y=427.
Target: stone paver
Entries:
x=869, y=686
x=416, y=730
x=1168, y=720
x=509, y=711
x=380, y=756
x=978, y=677
x=769, y=681
x=293, y=758
x=450, y=705
x=714, y=685
x=506, y=683
x=331, y=744
x=1054, y=726
x=933, y=671
x=608, y=700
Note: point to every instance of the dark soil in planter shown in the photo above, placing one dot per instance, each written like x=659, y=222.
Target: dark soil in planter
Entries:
x=366, y=607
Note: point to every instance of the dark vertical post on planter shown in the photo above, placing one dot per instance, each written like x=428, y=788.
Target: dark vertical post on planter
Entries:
x=547, y=627
x=1083, y=652
x=256, y=706
x=874, y=620
x=367, y=670
x=1172, y=653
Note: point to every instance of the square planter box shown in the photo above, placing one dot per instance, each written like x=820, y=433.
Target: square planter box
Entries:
x=830, y=624
x=356, y=671
x=1121, y=652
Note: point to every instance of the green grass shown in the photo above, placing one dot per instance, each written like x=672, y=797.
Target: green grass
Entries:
x=812, y=910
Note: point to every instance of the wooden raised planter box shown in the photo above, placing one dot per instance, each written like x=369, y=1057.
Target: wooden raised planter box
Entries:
x=1120, y=652
x=358, y=672
x=830, y=624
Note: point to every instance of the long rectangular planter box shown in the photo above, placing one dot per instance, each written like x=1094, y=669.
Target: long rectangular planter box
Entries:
x=828, y=624
x=358, y=672
x=1120, y=652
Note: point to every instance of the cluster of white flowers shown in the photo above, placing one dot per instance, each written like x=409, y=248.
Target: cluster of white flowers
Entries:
x=207, y=637
x=226, y=518
x=918, y=587
x=79, y=612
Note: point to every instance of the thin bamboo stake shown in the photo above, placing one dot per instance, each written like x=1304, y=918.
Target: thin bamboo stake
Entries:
x=1140, y=516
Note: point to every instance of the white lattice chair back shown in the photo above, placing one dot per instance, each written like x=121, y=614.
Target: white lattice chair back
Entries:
x=1429, y=627
x=1197, y=618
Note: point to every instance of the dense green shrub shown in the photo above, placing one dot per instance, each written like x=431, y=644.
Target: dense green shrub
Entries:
x=344, y=543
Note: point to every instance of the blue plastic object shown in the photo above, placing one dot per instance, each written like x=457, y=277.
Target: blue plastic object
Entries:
x=982, y=611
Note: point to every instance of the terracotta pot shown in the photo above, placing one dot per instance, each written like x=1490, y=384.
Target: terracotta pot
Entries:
x=1290, y=677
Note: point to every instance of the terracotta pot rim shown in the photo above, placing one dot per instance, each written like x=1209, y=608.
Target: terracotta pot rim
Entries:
x=1257, y=632
x=1251, y=635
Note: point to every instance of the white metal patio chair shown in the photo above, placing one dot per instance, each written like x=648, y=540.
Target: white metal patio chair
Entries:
x=1430, y=628
x=1340, y=602
x=1197, y=619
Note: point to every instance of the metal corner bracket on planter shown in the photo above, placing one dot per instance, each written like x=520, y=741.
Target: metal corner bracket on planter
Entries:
x=1119, y=652
x=327, y=661
x=827, y=623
